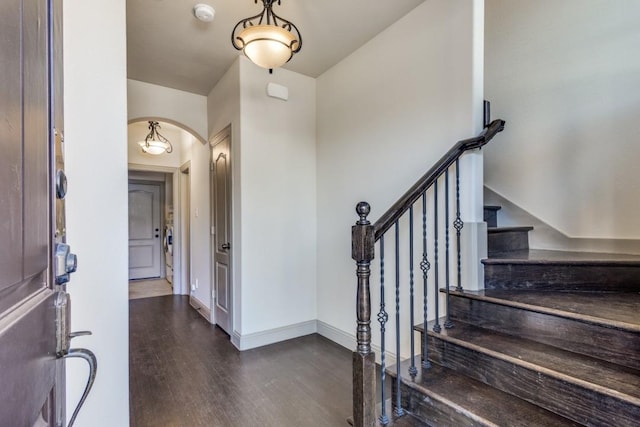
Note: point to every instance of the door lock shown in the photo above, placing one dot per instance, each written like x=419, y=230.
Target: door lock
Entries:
x=65, y=263
x=226, y=246
x=61, y=184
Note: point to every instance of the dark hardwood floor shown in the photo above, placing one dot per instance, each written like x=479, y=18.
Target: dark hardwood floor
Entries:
x=186, y=372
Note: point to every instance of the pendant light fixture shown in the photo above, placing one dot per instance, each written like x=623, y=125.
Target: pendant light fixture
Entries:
x=268, y=40
x=155, y=143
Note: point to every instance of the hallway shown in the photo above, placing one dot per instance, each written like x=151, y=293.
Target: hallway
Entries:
x=185, y=372
x=146, y=288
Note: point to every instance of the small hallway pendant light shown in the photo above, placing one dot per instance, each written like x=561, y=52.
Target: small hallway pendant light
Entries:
x=268, y=40
x=155, y=143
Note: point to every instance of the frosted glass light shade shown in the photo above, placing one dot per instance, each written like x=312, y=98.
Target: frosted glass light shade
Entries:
x=154, y=147
x=267, y=46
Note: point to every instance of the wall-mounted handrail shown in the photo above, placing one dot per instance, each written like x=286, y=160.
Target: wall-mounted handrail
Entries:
x=403, y=204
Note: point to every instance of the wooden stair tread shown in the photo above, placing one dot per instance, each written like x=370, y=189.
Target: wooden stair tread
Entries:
x=497, y=230
x=539, y=256
x=407, y=420
x=485, y=405
x=588, y=372
x=560, y=271
x=610, y=309
x=590, y=332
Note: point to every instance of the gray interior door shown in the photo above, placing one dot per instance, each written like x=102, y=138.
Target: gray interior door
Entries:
x=31, y=385
x=221, y=209
x=145, y=243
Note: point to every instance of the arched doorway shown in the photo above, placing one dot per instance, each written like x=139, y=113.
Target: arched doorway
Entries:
x=163, y=259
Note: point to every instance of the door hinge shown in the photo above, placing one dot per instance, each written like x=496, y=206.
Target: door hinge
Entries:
x=213, y=230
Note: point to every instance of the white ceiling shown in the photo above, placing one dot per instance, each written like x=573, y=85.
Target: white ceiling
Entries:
x=168, y=46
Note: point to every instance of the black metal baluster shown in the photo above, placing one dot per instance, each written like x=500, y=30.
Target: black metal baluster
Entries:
x=458, y=224
x=436, y=325
x=383, y=317
x=398, y=411
x=447, y=323
x=424, y=266
x=412, y=369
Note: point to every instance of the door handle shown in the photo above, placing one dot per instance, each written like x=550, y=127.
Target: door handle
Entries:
x=226, y=246
x=63, y=350
x=90, y=358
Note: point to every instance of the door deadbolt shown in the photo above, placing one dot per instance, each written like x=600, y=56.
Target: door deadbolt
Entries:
x=65, y=263
x=61, y=184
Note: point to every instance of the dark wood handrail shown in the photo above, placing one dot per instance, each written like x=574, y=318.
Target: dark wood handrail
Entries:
x=409, y=198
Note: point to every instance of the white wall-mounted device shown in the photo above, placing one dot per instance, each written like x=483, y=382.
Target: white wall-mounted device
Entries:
x=278, y=91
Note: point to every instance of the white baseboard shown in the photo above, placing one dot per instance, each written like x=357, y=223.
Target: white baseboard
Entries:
x=200, y=308
x=348, y=341
x=271, y=336
x=336, y=335
x=235, y=339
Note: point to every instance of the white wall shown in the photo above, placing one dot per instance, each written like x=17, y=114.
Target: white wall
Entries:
x=385, y=115
x=96, y=98
x=274, y=211
x=223, y=103
x=200, y=222
x=543, y=236
x=278, y=200
x=565, y=76
x=149, y=100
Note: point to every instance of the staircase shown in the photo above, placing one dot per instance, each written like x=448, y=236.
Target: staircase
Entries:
x=552, y=340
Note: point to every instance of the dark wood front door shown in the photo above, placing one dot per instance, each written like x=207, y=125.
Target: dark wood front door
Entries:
x=31, y=375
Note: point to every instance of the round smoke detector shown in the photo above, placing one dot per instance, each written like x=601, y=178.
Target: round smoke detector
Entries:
x=204, y=12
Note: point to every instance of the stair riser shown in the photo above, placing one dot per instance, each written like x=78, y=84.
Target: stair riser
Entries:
x=563, y=277
x=507, y=241
x=432, y=411
x=491, y=217
x=613, y=345
x=586, y=406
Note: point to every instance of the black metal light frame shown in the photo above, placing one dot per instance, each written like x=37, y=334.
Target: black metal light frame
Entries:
x=154, y=135
x=267, y=17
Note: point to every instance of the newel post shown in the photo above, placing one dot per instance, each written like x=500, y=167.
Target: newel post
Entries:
x=364, y=363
